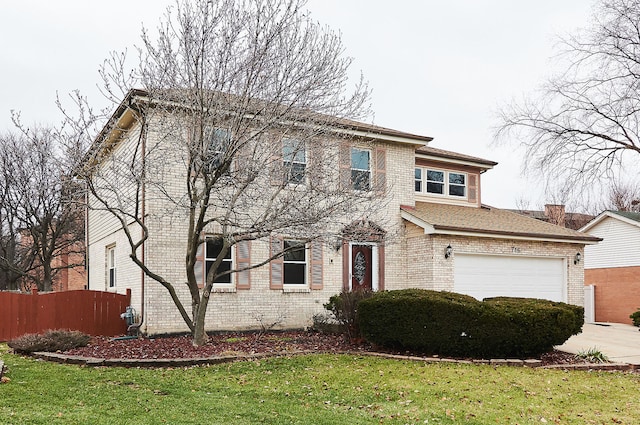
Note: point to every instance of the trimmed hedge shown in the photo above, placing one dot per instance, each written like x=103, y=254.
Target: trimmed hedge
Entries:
x=451, y=324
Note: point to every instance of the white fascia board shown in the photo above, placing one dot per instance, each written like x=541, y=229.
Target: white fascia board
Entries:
x=428, y=228
x=606, y=214
x=336, y=130
x=454, y=161
x=380, y=136
x=512, y=237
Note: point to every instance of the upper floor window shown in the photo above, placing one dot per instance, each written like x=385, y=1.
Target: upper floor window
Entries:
x=440, y=182
x=213, y=248
x=294, y=158
x=457, y=184
x=418, y=180
x=217, y=143
x=295, y=263
x=360, y=169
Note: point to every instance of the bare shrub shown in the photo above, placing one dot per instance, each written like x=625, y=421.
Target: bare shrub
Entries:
x=53, y=340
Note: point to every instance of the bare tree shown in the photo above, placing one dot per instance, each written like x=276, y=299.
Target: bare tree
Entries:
x=39, y=218
x=583, y=128
x=247, y=101
x=622, y=197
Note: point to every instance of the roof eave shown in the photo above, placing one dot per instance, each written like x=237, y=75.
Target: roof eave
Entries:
x=440, y=158
x=447, y=230
x=428, y=228
x=610, y=214
x=417, y=141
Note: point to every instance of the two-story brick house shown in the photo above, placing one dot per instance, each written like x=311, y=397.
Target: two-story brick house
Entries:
x=431, y=231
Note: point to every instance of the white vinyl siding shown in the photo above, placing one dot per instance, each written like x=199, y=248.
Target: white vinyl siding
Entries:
x=484, y=276
x=620, y=245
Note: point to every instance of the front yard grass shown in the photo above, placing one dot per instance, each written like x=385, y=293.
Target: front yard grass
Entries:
x=314, y=389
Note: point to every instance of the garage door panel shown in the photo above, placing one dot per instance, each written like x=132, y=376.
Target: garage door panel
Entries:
x=483, y=276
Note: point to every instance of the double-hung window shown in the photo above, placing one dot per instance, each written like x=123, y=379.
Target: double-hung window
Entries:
x=457, y=184
x=440, y=182
x=295, y=263
x=360, y=169
x=294, y=159
x=217, y=142
x=213, y=248
x=435, y=181
x=111, y=266
x=418, y=180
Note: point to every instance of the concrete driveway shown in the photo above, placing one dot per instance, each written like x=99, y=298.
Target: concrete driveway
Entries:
x=621, y=343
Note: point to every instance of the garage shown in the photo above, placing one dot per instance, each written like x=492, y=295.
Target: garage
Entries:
x=483, y=276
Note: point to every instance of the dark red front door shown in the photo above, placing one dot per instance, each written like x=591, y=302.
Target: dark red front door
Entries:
x=361, y=267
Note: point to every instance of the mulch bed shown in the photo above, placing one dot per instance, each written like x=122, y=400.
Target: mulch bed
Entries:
x=181, y=347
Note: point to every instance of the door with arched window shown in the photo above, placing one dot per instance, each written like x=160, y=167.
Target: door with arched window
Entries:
x=363, y=266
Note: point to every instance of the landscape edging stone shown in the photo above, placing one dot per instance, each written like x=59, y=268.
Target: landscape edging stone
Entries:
x=198, y=361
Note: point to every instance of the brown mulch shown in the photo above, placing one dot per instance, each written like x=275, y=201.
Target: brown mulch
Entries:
x=181, y=347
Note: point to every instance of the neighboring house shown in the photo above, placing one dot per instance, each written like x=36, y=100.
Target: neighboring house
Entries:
x=613, y=265
x=69, y=265
x=556, y=214
x=438, y=236
x=74, y=277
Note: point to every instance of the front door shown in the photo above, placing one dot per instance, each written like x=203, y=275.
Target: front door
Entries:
x=362, y=267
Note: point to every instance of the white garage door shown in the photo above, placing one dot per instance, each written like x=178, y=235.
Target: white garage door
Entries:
x=483, y=276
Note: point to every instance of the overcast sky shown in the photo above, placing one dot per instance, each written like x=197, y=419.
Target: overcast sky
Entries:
x=437, y=68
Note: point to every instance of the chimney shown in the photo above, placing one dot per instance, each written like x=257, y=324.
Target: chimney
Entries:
x=555, y=214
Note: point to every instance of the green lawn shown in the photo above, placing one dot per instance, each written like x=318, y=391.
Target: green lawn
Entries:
x=314, y=389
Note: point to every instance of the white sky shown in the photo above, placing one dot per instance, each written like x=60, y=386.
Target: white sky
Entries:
x=437, y=68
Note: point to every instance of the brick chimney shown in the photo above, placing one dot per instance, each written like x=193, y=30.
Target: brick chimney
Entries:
x=555, y=214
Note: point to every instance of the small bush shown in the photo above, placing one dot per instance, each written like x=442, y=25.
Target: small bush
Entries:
x=51, y=341
x=326, y=323
x=451, y=324
x=592, y=355
x=635, y=317
x=343, y=308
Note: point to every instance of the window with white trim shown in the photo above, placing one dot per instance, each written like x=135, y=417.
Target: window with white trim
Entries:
x=457, y=184
x=418, y=179
x=440, y=182
x=111, y=266
x=360, y=169
x=217, y=143
x=294, y=263
x=294, y=158
x=213, y=248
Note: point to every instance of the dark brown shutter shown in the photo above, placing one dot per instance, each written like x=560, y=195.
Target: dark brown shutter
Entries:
x=315, y=264
x=345, y=166
x=380, y=170
x=473, y=188
x=276, y=167
x=346, y=273
x=243, y=259
x=276, y=265
x=315, y=164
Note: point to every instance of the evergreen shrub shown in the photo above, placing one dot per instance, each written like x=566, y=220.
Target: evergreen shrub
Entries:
x=451, y=324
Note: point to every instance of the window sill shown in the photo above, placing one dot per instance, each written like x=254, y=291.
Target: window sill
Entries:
x=296, y=289
x=223, y=289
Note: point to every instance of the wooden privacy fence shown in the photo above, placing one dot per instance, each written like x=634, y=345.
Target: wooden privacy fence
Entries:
x=91, y=312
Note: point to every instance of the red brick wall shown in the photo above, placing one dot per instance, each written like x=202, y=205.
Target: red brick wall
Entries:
x=617, y=292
